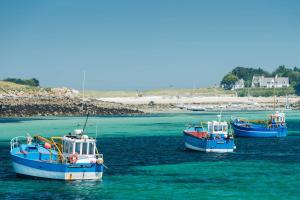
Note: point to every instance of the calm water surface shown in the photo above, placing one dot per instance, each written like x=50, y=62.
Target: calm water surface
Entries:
x=146, y=160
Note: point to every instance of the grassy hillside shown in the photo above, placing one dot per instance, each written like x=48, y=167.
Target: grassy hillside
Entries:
x=8, y=87
x=162, y=92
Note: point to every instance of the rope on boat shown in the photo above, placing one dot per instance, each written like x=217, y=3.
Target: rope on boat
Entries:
x=105, y=166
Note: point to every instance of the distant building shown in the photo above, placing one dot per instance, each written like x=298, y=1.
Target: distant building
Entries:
x=270, y=82
x=239, y=84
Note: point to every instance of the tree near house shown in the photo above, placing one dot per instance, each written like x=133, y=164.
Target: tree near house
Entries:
x=247, y=74
x=297, y=89
x=282, y=71
x=228, y=81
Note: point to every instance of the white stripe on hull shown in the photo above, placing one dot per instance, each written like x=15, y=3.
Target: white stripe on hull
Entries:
x=207, y=150
x=29, y=171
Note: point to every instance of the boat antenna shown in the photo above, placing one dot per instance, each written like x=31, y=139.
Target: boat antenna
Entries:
x=287, y=104
x=96, y=131
x=274, y=92
x=87, y=117
x=83, y=87
x=220, y=115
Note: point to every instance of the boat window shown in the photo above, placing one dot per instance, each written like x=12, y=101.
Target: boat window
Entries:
x=210, y=129
x=224, y=128
x=77, y=147
x=66, y=147
x=84, y=148
x=91, y=148
x=70, y=149
x=217, y=128
x=220, y=128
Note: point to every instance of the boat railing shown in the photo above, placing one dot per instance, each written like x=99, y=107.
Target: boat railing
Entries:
x=16, y=142
x=58, y=148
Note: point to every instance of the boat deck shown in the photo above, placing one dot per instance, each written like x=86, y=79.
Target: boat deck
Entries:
x=33, y=152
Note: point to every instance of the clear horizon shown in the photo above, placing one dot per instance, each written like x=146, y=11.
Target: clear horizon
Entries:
x=141, y=45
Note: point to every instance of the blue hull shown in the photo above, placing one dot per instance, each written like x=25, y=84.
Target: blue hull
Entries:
x=208, y=145
x=37, y=163
x=53, y=170
x=258, y=131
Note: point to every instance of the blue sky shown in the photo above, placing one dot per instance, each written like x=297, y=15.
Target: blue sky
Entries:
x=130, y=45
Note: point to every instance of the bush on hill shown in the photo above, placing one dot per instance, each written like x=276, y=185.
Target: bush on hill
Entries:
x=30, y=82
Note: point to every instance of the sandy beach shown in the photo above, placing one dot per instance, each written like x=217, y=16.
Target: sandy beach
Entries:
x=174, y=103
x=196, y=100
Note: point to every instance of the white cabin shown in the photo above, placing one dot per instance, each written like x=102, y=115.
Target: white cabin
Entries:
x=216, y=127
x=81, y=145
x=278, y=117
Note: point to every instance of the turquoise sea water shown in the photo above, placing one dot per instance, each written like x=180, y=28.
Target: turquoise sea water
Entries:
x=146, y=160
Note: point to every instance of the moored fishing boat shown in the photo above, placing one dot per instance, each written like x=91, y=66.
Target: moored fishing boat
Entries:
x=213, y=139
x=71, y=157
x=275, y=127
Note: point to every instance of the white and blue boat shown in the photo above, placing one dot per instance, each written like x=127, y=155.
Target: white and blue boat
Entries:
x=275, y=127
x=213, y=139
x=71, y=157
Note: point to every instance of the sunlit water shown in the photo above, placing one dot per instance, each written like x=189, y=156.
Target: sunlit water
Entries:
x=146, y=160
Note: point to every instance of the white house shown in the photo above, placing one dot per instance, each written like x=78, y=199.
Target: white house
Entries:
x=270, y=82
x=239, y=84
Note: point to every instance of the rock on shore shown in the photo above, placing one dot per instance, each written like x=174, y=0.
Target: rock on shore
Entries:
x=60, y=106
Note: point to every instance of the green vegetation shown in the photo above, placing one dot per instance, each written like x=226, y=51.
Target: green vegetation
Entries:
x=265, y=92
x=241, y=73
x=30, y=82
x=297, y=89
x=228, y=81
x=247, y=74
x=11, y=88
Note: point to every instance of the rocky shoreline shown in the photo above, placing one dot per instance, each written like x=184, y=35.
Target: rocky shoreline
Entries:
x=61, y=106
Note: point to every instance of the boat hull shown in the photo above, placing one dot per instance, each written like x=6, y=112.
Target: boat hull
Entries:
x=43, y=169
x=208, y=145
x=258, y=131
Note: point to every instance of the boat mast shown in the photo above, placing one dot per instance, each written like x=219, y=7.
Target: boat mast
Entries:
x=96, y=131
x=87, y=117
x=287, y=104
x=83, y=85
x=274, y=92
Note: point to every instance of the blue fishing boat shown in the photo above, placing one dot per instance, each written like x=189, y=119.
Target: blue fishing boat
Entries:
x=71, y=157
x=275, y=127
x=213, y=139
